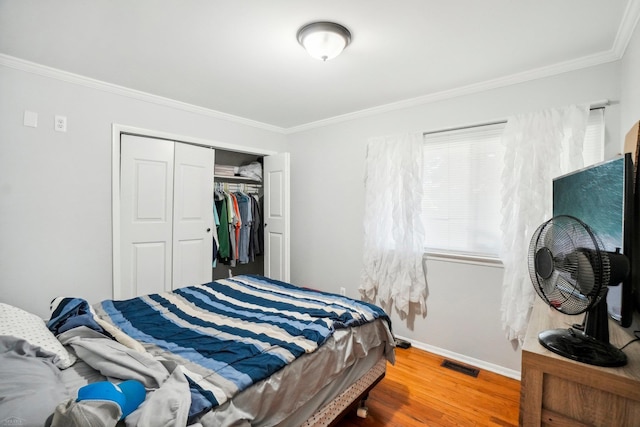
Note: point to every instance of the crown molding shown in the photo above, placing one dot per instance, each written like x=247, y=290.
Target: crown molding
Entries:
x=627, y=26
x=538, y=73
x=54, y=73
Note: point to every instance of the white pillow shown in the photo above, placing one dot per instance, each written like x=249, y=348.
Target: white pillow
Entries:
x=22, y=324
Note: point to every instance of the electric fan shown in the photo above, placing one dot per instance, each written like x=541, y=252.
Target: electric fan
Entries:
x=571, y=272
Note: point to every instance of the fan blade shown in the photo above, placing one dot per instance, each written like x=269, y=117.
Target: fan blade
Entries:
x=548, y=286
x=566, y=263
x=550, y=241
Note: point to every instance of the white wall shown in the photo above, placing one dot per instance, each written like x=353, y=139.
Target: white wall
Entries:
x=630, y=94
x=55, y=188
x=327, y=170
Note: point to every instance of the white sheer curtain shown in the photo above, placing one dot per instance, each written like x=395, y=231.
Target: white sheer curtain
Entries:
x=538, y=147
x=393, y=230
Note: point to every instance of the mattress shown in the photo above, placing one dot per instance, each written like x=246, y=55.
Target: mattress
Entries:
x=311, y=391
x=294, y=394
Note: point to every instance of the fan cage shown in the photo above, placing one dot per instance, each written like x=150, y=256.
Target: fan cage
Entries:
x=573, y=285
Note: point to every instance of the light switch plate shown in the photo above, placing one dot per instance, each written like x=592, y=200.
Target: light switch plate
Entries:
x=31, y=119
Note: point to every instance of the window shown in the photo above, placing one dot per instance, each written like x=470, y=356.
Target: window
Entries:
x=462, y=201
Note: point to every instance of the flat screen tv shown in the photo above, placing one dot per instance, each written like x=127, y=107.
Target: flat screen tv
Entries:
x=601, y=196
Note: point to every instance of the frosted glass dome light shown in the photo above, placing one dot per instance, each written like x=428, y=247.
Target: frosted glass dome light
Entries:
x=324, y=40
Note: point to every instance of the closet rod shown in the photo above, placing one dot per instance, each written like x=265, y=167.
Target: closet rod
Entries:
x=593, y=106
x=237, y=186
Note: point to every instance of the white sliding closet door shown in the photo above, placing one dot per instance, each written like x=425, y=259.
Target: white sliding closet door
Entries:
x=166, y=216
x=192, y=215
x=146, y=215
x=276, y=216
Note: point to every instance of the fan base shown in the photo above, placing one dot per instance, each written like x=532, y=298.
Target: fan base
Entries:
x=577, y=346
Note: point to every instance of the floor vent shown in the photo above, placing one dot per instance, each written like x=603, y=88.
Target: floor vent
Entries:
x=467, y=370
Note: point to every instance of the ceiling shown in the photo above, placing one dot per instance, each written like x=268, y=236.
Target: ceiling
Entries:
x=242, y=58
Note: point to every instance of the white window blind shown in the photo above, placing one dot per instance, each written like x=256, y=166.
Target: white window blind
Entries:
x=461, y=183
x=462, y=200
x=594, y=138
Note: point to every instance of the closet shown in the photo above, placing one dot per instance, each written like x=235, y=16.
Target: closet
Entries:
x=163, y=206
x=274, y=194
x=231, y=184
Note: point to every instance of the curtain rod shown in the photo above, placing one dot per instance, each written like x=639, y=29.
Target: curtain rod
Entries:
x=499, y=122
x=592, y=106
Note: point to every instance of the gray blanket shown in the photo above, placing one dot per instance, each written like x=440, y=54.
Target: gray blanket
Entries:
x=168, y=397
x=31, y=384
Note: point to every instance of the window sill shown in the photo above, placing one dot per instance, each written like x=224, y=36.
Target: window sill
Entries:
x=486, y=261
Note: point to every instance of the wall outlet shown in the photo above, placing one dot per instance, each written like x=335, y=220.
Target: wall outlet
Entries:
x=343, y=291
x=60, y=124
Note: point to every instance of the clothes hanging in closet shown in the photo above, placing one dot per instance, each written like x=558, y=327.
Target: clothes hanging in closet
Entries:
x=224, y=248
x=256, y=246
x=216, y=241
x=244, y=209
x=240, y=228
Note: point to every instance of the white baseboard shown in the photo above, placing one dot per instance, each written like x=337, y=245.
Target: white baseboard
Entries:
x=516, y=375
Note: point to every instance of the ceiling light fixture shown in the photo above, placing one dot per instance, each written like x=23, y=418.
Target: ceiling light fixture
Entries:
x=324, y=40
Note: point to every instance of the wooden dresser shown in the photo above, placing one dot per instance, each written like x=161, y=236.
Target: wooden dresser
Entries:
x=556, y=391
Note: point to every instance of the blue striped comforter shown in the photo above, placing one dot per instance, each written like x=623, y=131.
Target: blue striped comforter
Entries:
x=232, y=333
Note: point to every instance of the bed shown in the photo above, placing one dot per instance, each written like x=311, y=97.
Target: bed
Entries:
x=240, y=351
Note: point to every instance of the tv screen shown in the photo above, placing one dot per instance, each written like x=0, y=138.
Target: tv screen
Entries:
x=601, y=196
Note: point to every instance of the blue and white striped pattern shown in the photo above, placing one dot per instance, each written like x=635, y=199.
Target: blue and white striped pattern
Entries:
x=231, y=333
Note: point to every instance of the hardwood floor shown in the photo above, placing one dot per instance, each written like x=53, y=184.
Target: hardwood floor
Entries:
x=417, y=391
